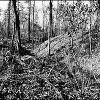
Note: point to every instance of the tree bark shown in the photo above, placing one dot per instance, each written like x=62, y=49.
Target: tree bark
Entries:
x=90, y=51
x=8, y=28
x=29, y=20
x=50, y=26
x=13, y=36
x=33, y=25
x=17, y=21
x=43, y=15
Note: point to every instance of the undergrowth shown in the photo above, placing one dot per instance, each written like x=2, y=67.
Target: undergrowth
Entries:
x=29, y=78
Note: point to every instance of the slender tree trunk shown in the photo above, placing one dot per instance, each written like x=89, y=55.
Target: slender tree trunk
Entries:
x=33, y=15
x=72, y=26
x=14, y=31
x=8, y=28
x=17, y=21
x=50, y=32
x=29, y=20
x=51, y=23
x=33, y=25
x=13, y=36
x=43, y=14
x=90, y=51
x=57, y=21
x=44, y=37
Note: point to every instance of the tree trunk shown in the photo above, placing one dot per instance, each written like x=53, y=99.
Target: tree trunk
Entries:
x=50, y=26
x=33, y=25
x=57, y=21
x=43, y=34
x=17, y=21
x=72, y=26
x=13, y=36
x=90, y=52
x=14, y=32
x=43, y=15
x=8, y=28
x=29, y=20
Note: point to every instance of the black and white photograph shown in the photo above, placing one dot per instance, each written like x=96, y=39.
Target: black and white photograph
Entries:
x=49, y=50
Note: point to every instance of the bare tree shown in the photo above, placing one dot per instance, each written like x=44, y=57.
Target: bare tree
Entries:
x=43, y=14
x=33, y=22
x=90, y=52
x=17, y=21
x=51, y=21
x=50, y=32
x=13, y=36
x=8, y=27
x=57, y=19
x=29, y=5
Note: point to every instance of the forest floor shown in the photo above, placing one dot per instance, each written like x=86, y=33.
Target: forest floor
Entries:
x=68, y=73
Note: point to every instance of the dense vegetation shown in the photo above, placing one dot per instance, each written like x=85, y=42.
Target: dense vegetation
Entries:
x=60, y=60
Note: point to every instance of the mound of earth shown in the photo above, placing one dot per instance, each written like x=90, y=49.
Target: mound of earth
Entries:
x=60, y=46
